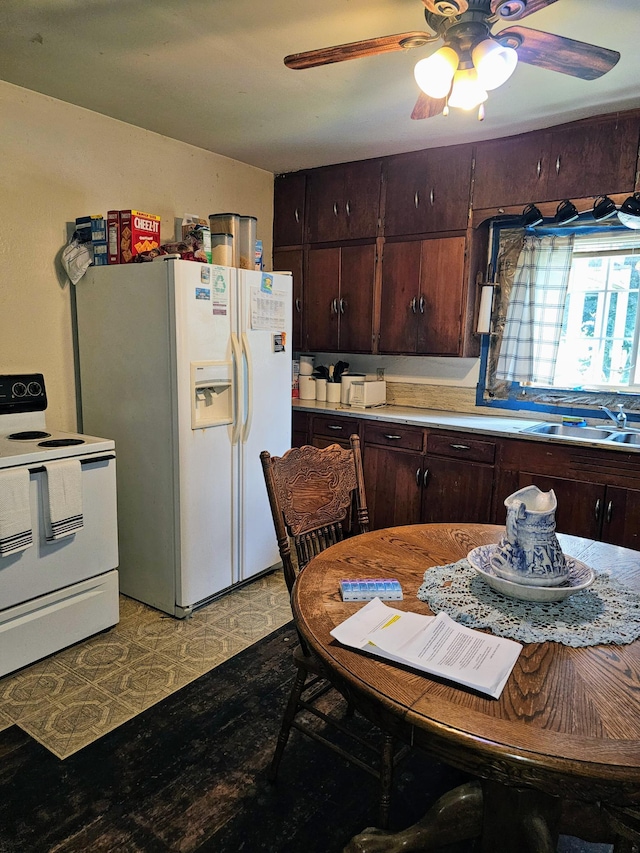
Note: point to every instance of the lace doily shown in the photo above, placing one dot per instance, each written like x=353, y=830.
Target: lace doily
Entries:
x=606, y=612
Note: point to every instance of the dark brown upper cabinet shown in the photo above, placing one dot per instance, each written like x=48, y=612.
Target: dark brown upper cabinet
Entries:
x=422, y=296
x=338, y=307
x=288, y=209
x=344, y=201
x=590, y=158
x=428, y=191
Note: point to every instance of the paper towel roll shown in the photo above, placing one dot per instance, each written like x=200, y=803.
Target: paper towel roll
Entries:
x=484, y=312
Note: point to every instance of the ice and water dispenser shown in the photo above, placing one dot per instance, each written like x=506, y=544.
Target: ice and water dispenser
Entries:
x=211, y=393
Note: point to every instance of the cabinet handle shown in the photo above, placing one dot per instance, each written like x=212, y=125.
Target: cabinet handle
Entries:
x=347, y=207
x=342, y=305
x=432, y=196
x=392, y=437
x=414, y=303
x=334, y=426
x=424, y=477
x=416, y=199
x=296, y=215
x=609, y=512
x=421, y=304
x=460, y=446
x=334, y=305
x=597, y=510
x=538, y=168
x=335, y=208
x=418, y=477
x=558, y=160
x=298, y=306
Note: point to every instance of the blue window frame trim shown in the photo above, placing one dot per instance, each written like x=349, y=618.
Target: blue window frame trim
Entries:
x=517, y=394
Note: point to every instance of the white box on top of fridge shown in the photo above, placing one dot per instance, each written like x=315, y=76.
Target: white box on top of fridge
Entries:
x=182, y=364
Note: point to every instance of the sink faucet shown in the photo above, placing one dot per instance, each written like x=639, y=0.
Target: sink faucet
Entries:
x=620, y=419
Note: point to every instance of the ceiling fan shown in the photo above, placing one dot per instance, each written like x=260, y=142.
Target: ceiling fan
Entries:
x=472, y=59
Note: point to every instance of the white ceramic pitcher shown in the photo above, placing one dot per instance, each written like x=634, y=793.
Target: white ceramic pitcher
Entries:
x=530, y=552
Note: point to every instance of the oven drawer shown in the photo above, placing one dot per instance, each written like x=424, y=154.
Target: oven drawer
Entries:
x=48, y=566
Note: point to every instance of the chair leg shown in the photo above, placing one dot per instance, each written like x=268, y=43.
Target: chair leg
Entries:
x=386, y=780
x=287, y=720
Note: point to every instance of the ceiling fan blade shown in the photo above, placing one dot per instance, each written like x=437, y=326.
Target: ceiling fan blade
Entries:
x=427, y=107
x=559, y=53
x=514, y=10
x=358, y=49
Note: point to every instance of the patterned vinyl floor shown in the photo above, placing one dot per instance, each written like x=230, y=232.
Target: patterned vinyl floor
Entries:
x=79, y=694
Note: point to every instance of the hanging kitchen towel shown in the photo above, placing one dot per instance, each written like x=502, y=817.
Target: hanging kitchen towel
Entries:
x=63, y=499
x=15, y=513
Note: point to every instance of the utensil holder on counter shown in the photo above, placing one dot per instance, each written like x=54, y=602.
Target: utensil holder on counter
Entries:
x=333, y=392
x=321, y=390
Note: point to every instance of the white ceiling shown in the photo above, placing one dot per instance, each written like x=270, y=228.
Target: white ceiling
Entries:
x=210, y=73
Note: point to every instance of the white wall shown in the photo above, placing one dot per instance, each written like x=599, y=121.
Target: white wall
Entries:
x=57, y=162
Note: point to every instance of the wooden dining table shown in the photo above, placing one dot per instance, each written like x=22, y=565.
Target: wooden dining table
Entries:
x=558, y=752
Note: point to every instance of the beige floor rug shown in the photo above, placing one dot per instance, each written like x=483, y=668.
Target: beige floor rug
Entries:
x=79, y=694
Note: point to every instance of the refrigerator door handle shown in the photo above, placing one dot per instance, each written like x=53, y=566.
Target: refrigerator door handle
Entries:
x=246, y=349
x=237, y=368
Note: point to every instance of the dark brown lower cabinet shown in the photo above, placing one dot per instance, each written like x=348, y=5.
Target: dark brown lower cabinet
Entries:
x=407, y=488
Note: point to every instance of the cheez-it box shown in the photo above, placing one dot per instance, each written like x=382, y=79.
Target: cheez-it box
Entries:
x=139, y=233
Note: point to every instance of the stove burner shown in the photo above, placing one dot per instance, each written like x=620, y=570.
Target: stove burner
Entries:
x=28, y=434
x=60, y=442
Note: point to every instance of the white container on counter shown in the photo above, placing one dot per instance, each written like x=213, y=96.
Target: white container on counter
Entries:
x=321, y=390
x=306, y=365
x=333, y=392
x=307, y=387
x=346, y=380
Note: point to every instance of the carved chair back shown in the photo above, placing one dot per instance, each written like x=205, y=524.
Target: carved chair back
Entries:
x=314, y=494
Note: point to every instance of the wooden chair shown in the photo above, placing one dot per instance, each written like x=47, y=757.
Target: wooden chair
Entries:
x=317, y=497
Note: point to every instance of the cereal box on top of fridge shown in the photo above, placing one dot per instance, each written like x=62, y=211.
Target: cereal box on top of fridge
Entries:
x=139, y=233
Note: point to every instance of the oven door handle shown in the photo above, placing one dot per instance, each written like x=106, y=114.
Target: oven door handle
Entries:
x=41, y=469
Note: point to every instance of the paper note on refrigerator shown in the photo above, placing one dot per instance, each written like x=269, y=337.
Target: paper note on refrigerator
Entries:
x=268, y=310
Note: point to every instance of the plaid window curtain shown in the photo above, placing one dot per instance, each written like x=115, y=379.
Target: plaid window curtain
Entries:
x=536, y=307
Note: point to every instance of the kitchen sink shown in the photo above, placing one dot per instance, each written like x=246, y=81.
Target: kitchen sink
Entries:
x=626, y=438
x=568, y=431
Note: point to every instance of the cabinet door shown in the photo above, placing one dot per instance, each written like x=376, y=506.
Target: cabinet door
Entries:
x=511, y=171
x=299, y=428
x=393, y=483
x=288, y=209
x=579, y=504
x=292, y=259
x=355, y=303
x=399, y=301
x=322, y=290
x=428, y=191
x=592, y=160
x=441, y=296
x=456, y=491
x=621, y=517
x=343, y=201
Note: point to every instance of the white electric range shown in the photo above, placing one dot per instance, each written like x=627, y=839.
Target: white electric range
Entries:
x=55, y=593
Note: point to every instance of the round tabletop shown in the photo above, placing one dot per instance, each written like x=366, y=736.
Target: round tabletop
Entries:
x=568, y=719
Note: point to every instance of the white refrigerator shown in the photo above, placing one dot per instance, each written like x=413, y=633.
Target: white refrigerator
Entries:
x=188, y=367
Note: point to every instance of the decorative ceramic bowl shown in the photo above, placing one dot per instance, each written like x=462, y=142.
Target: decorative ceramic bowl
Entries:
x=580, y=577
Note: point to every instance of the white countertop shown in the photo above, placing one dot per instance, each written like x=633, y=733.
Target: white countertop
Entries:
x=505, y=426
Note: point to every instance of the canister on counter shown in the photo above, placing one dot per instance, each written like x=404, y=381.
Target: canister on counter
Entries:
x=247, y=243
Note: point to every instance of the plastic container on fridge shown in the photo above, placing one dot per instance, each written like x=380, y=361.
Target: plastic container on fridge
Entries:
x=227, y=223
x=222, y=249
x=247, y=246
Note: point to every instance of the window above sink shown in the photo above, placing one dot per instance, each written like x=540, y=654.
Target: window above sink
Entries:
x=585, y=353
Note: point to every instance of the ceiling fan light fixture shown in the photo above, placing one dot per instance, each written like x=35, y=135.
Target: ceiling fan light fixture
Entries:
x=435, y=73
x=494, y=62
x=467, y=93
